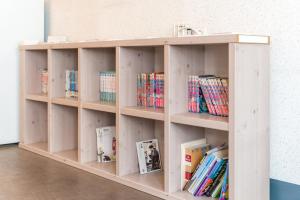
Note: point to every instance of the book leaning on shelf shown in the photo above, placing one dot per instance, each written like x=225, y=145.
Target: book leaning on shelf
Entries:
x=208, y=94
x=106, y=144
x=44, y=81
x=211, y=175
x=71, y=84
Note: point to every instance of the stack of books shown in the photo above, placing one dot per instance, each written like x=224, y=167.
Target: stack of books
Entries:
x=208, y=94
x=150, y=90
x=71, y=84
x=44, y=81
x=211, y=175
x=107, y=81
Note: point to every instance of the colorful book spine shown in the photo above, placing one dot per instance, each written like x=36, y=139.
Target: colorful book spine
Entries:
x=208, y=94
x=71, y=88
x=107, y=81
x=150, y=90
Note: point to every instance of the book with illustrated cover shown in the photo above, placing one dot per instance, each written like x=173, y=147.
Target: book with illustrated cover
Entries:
x=210, y=176
x=148, y=156
x=106, y=144
x=191, y=154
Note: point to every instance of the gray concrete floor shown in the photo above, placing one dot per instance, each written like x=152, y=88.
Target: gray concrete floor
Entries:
x=28, y=176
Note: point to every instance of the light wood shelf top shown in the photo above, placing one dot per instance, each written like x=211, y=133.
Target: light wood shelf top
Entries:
x=39, y=145
x=201, y=120
x=109, y=167
x=144, y=112
x=100, y=106
x=73, y=102
x=154, y=180
x=37, y=97
x=193, y=40
x=68, y=154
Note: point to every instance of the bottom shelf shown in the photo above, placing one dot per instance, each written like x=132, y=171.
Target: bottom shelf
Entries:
x=187, y=196
x=109, y=167
x=39, y=145
x=68, y=154
x=154, y=180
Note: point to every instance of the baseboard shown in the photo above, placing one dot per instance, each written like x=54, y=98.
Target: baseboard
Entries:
x=281, y=190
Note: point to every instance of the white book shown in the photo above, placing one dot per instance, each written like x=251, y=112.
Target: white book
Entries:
x=148, y=156
x=106, y=144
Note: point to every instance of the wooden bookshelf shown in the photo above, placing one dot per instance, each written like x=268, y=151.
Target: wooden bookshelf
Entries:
x=63, y=129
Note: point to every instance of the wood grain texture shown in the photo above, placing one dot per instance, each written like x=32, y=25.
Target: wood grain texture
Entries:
x=93, y=61
x=249, y=121
x=91, y=120
x=64, y=128
x=70, y=124
x=36, y=122
x=62, y=60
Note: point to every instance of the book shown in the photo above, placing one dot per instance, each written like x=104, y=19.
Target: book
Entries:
x=71, y=84
x=148, y=156
x=44, y=81
x=210, y=178
x=107, y=85
x=191, y=154
x=150, y=90
x=208, y=93
x=106, y=144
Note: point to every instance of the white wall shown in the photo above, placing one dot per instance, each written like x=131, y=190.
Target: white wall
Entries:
x=107, y=19
x=19, y=20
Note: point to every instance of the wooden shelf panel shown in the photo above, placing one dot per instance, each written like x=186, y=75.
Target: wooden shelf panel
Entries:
x=201, y=120
x=39, y=145
x=109, y=167
x=68, y=154
x=183, y=195
x=100, y=106
x=142, y=112
x=73, y=102
x=37, y=97
x=154, y=180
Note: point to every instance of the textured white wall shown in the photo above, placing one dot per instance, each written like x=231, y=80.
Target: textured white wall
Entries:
x=19, y=20
x=108, y=19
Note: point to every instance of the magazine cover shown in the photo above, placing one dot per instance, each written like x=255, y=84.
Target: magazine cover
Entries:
x=148, y=156
x=106, y=144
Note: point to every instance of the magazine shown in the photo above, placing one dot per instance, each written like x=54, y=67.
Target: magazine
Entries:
x=148, y=156
x=106, y=144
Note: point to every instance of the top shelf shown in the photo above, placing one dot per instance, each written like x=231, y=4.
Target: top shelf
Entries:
x=193, y=40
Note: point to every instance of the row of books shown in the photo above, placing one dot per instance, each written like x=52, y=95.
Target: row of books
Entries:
x=71, y=84
x=107, y=81
x=204, y=172
x=208, y=94
x=150, y=90
x=44, y=81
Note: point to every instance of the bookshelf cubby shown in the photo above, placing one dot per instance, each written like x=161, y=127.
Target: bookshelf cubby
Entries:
x=37, y=60
x=64, y=140
x=36, y=125
x=64, y=129
x=134, y=130
x=133, y=61
x=90, y=120
x=93, y=61
x=62, y=60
